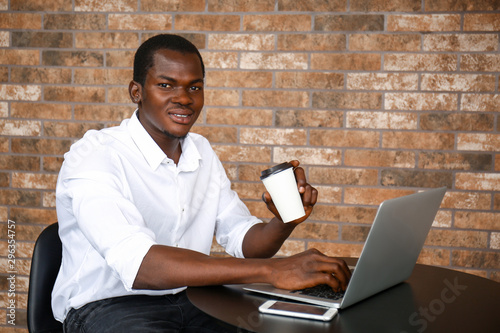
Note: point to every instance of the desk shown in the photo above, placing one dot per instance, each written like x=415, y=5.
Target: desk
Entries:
x=432, y=300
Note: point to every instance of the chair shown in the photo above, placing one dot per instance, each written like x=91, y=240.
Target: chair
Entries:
x=45, y=265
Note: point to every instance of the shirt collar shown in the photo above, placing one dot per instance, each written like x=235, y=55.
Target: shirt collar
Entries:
x=153, y=154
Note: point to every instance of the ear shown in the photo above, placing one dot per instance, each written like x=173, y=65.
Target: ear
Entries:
x=135, y=92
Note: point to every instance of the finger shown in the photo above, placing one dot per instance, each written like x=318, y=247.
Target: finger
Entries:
x=300, y=176
x=310, y=196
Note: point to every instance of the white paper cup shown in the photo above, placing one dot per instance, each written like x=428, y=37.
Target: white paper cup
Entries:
x=281, y=184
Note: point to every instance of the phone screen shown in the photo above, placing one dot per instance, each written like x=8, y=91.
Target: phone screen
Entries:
x=299, y=308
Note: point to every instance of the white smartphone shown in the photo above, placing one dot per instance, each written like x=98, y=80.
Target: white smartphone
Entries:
x=298, y=310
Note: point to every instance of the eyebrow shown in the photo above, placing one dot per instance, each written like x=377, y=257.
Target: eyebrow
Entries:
x=168, y=78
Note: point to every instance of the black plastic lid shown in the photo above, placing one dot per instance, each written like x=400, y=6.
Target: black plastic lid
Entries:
x=275, y=169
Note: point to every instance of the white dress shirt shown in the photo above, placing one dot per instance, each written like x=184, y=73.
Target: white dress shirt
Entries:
x=118, y=194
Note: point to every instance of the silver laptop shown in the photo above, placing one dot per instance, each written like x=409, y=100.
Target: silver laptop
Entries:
x=390, y=252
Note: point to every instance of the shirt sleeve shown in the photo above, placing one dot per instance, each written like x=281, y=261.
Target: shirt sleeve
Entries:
x=107, y=217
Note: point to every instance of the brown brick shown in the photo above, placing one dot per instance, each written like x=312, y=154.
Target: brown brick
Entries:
x=454, y=238
x=42, y=39
x=4, y=110
x=349, y=214
x=457, y=122
x=313, y=230
x=273, y=61
x=40, y=110
x=40, y=5
x=251, y=172
x=102, y=112
x=172, y=6
x=239, y=79
x=337, y=249
x=354, y=233
x=272, y=136
x=455, y=161
x=74, y=22
x=303, y=80
x=431, y=22
x=386, y=81
x=69, y=129
x=412, y=178
x=33, y=180
x=477, y=220
x=343, y=176
x=251, y=117
x=4, y=144
x=33, y=215
x=140, y=22
x=106, y=40
x=20, y=197
x=242, y=42
x=4, y=71
x=379, y=158
x=420, y=62
x=480, y=102
x=52, y=164
x=72, y=58
x=372, y=196
x=74, y=94
x=207, y=22
x=248, y=190
x=269, y=98
x=478, y=141
x=347, y=100
x=479, y=259
x=384, y=42
x=309, y=118
x=106, y=6
x=330, y=22
x=316, y=156
x=495, y=240
x=20, y=162
x=220, y=60
x=381, y=120
x=346, y=61
x=482, y=22
x=4, y=180
x=221, y=135
x=344, y=138
x=118, y=95
x=477, y=181
x=17, y=92
x=313, y=5
x=458, y=82
x=20, y=127
x=40, y=146
x=435, y=257
x=461, y=42
x=421, y=101
x=480, y=62
x=120, y=58
x=240, y=6
x=329, y=194
x=461, y=5
x=311, y=42
x=385, y=6
x=269, y=22
x=243, y=153
x=222, y=98
x=102, y=76
x=21, y=21
x=40, y=75
x=466, y=200
x=415, y=140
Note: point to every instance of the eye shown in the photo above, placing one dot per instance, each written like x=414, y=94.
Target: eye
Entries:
x=196, y=88
x=165, y=85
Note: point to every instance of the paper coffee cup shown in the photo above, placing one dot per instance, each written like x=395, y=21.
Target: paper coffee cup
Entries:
x=281, y=184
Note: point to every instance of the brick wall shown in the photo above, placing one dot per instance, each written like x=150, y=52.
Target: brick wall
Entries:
x=377, y=98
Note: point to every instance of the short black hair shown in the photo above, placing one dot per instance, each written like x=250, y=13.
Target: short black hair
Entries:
x=144, y=56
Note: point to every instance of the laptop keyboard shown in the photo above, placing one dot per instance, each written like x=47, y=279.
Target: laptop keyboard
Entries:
x=322, y=291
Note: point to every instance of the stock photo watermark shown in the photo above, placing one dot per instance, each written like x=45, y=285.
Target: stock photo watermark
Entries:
x=11, y=272
x=437, y=306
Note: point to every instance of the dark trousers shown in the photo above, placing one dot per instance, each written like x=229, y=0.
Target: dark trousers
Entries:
x=142, y=313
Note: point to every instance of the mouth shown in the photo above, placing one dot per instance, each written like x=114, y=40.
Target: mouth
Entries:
x=181, y=117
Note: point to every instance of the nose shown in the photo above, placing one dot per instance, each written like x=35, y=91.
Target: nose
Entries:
x=182, y=96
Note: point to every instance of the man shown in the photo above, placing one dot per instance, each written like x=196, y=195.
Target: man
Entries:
x=138, y=205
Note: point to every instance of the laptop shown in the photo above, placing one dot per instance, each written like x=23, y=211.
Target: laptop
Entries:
x=389, y=255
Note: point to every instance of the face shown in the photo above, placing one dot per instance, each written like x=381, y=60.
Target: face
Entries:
x=172, y=96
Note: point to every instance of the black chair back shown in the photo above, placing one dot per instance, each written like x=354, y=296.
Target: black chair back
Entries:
x=45, y=265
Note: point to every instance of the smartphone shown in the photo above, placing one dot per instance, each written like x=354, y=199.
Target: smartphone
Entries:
x=298, y=310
